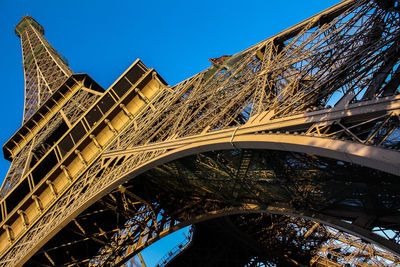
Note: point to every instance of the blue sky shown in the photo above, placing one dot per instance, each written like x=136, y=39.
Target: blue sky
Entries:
x=102, y=38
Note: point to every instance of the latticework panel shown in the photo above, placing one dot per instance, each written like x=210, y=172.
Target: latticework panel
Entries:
x=36, y=148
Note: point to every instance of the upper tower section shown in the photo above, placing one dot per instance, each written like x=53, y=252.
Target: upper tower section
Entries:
x=25, y=22
x=44, y=68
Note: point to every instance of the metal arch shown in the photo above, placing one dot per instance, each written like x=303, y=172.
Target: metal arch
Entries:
x=270, y=209
x=171, y=150
x=187, y=147
x=350, y=152
x=374, y=157
x=341, y=150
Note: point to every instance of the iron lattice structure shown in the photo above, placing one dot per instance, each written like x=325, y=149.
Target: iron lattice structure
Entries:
x=44, y=68
x=45, y=71
x=286, y=153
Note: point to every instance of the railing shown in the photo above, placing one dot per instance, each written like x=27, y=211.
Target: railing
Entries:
x=184, y=244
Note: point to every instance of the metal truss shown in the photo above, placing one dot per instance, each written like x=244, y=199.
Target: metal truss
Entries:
x=309, y=119
x=45, y=71
x=44, y=68
x=62, y=119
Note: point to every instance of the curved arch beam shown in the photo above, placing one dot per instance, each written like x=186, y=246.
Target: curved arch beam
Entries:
x=238, y=138
x=365, y=155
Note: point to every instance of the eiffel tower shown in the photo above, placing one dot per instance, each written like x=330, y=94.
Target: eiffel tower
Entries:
x=285, y=154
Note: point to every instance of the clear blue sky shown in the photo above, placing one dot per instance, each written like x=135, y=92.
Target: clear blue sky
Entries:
x=102, y=38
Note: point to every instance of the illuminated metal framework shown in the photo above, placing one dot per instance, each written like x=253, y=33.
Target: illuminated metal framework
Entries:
x=45, y=118
x=289, y=149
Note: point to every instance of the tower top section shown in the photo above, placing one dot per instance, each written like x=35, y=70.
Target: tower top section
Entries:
x=44, y=68
x=25, y=22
